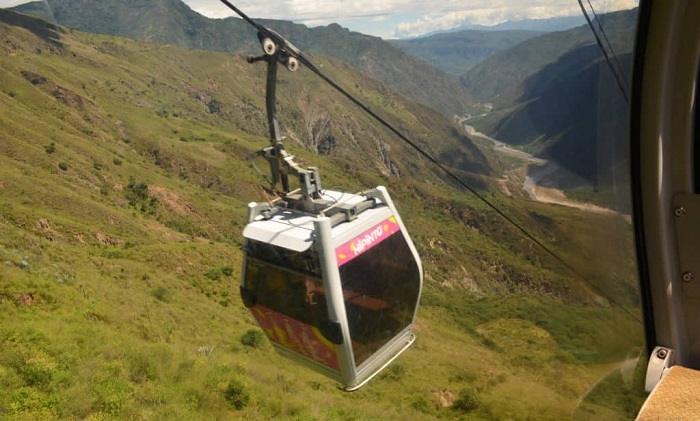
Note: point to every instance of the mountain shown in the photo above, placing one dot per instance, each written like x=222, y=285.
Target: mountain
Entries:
x=537, y=25
x=568, y=109
x=504, y=71
x=566, y=113
x=124, y=183
x=457, y=52
x=173, y=22
x=543, y=25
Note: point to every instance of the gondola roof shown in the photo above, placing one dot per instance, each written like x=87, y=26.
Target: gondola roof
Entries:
x=293, y=230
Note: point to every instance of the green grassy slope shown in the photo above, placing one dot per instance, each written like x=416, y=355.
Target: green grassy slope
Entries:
x=173, y=22
x=123, y=186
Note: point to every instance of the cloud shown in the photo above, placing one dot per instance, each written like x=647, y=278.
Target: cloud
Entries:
x=499, y=11
x=428, y=16
x=486, y=16
x=297, y=10
x=381, y=18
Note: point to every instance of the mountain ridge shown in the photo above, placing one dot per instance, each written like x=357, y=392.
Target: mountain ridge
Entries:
x=459, y=51
x=124, y=186
x=562, y=102
x=539, y=25
x=173, y=22
x=507, y=69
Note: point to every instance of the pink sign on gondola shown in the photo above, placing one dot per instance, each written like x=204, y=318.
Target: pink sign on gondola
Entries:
x=297, y=336
x=365, y=241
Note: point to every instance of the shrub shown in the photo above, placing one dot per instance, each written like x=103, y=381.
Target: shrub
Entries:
x=490, y=344
x=50, y=148
x=35, y=374
x=161, y=294
x=137, y=195
x=31, y=400
x=117, y=161
x=142, y=368
x=423, y=405
x=394, y=372
x=111, y=395
x=237, y=394
x=139, y=190
x=63, y=166
x=214, y=274
x=467, y=401
x=253, y=338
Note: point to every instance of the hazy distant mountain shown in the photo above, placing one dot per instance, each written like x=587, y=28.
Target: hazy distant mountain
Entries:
x=505, y=70
x=173, y=22
x=457, y=52
x=544, y=25
x=537, y=25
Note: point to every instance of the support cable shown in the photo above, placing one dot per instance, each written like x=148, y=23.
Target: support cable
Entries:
x=609, y=44
x=295, y=52
x=617, y=77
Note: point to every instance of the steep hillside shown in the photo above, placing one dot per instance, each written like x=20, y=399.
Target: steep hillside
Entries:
x=568, y=109
x=173, y=22
x=456, y=53
x=567, y=112
x=506, y=70
x=123, y=187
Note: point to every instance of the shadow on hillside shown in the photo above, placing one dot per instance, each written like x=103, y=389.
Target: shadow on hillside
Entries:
x=47, y=31
x=574, y=113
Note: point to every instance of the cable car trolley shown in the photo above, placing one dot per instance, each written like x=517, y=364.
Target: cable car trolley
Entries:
x=332, y=278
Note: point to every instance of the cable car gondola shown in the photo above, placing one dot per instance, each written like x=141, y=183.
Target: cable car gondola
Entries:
x=331, y=277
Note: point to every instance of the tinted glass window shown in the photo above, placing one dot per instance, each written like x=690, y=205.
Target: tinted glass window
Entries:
x=305, y=262
x=380, y=288
x=289, y=302
x=286, y=291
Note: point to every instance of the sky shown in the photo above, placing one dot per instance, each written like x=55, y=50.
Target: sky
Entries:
x=398, y=18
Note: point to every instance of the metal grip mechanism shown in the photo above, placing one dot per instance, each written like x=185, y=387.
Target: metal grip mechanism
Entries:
x=277, y=50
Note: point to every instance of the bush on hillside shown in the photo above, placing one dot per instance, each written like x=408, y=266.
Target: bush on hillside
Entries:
x=237, y=394
x=253, y=338
x=467, y=401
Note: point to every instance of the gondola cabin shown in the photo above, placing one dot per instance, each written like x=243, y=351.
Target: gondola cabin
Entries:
x=337, y=290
